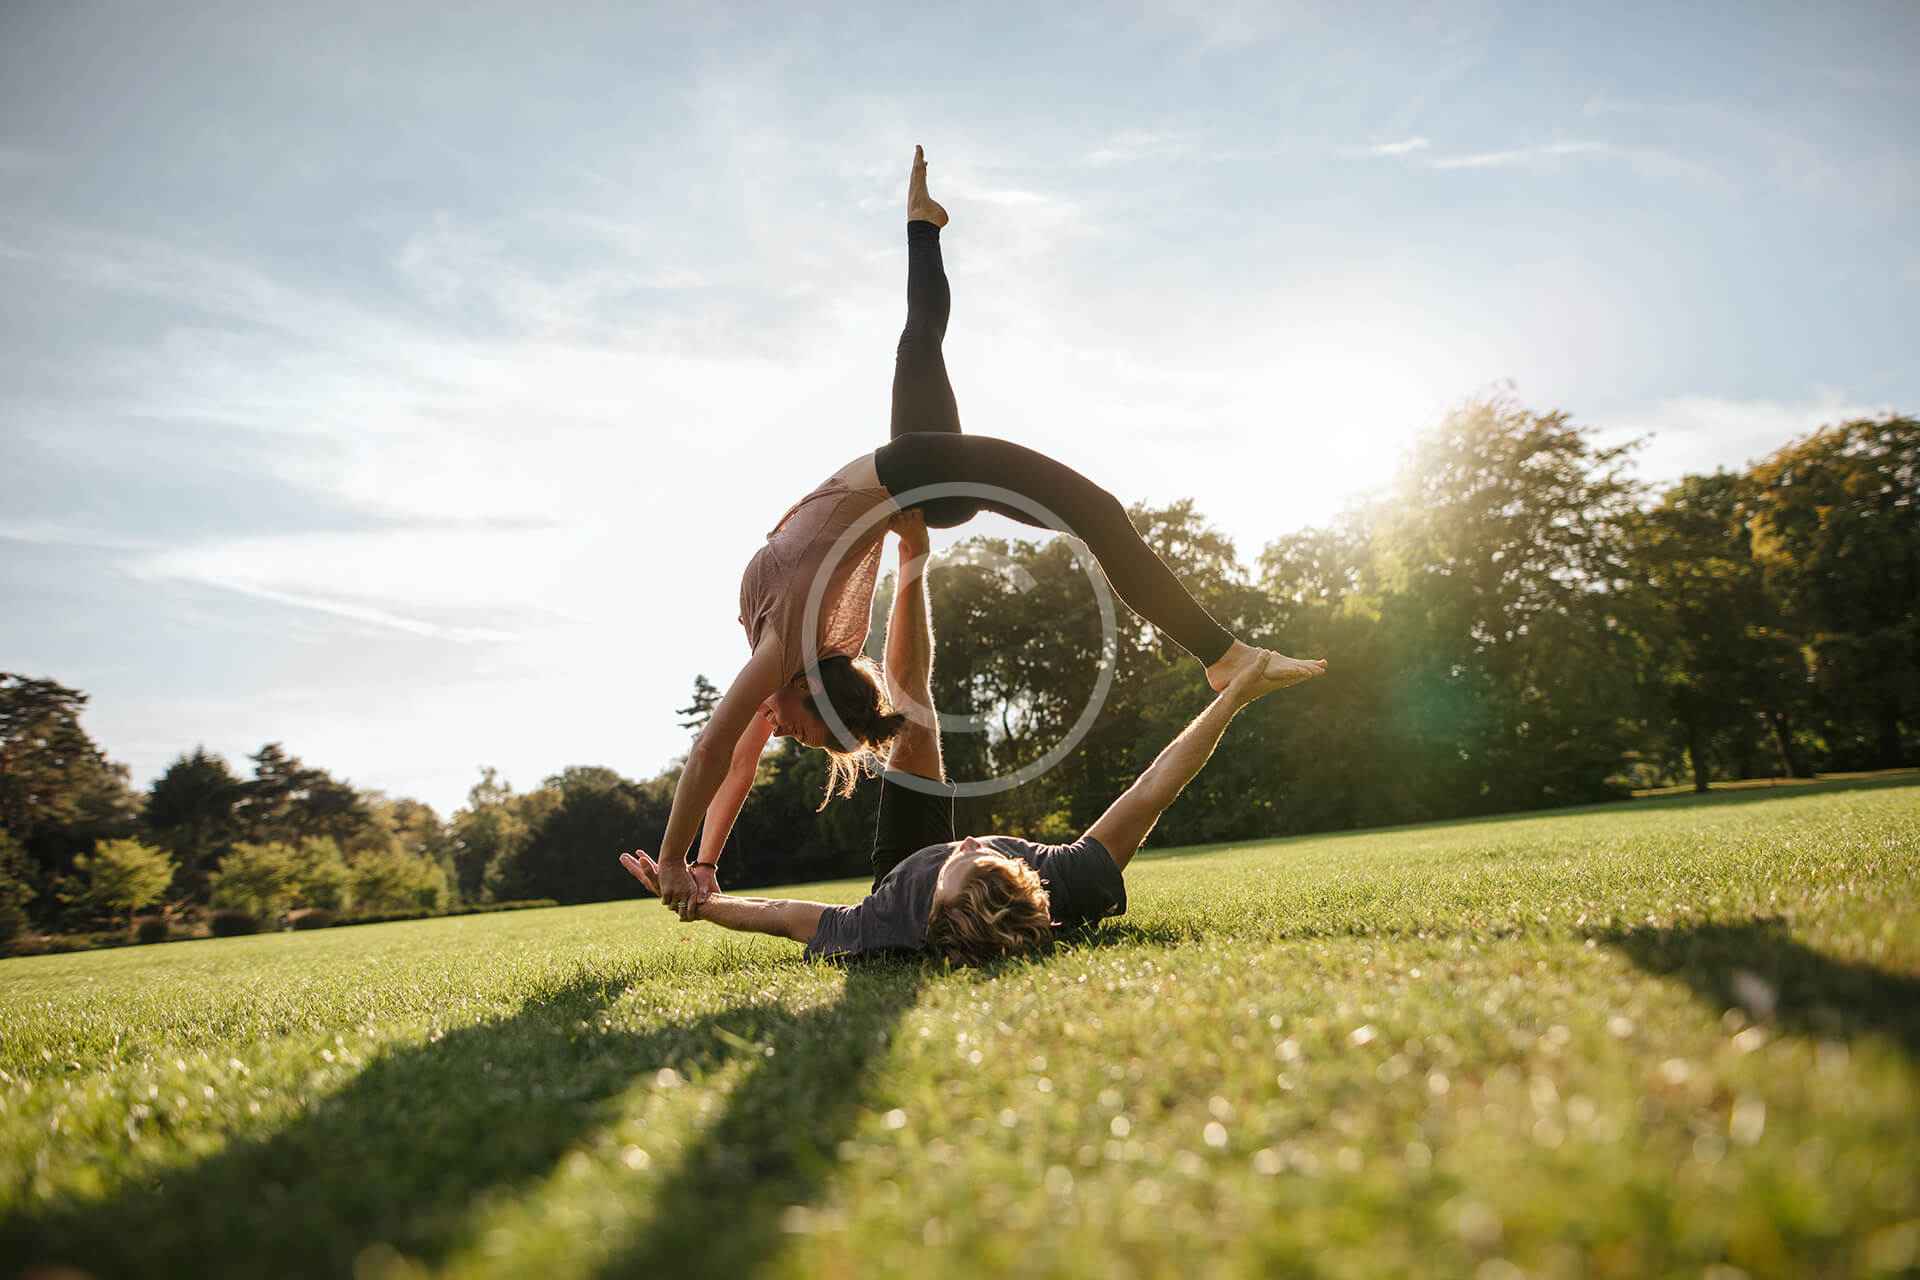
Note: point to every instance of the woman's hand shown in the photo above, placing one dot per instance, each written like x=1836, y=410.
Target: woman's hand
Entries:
x=911, y=527
x=652, y=875
x=706, y=882
x=677, y=889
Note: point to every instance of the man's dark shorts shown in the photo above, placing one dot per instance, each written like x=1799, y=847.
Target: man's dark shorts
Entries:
x=909, y=820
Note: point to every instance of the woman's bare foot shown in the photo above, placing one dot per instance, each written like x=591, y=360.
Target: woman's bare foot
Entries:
x=1257, y=680
x=922, y=207
x=1283, y=671
x=1236, y=659
x=1277, y=666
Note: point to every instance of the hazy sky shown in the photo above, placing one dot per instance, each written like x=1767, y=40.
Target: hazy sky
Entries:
x=410, y=385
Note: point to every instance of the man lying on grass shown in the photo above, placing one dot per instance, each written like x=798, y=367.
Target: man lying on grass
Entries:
x=984, y=897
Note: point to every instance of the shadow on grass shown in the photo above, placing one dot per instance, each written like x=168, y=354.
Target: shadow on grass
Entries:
x=1758, y=966
x=400, y=1155
x=719, y=1212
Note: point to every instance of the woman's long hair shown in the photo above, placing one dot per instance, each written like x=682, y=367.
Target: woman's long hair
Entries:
x=856, y=690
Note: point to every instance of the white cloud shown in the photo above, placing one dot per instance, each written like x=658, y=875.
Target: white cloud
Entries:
x=1232, y=24
x=1518, y=156
x=1702, y=433
x=1406, y=146
x=1130, y=145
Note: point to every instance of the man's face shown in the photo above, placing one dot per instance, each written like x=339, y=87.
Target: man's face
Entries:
x=961, y=866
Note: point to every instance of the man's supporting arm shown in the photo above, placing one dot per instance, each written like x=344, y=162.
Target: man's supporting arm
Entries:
x=780, y=917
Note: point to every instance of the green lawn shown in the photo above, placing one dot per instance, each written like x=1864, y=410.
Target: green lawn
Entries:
x=1673, y=1036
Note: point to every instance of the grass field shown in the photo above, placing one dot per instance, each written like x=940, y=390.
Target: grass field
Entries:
x=1669, y=1037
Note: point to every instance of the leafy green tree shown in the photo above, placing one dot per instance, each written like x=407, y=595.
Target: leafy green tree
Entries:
x=571, y=854
x=59, y=794
x=700, y=710
x=1713, y=644
x=392, y=880
x=286, y=800
x=487, y=830
x=1506, y=542
x=404, y=826
x=1837, y=529
x=120, y=877
x=191, y=809
x=17, y=888
x=256, y=878
x=318, y=875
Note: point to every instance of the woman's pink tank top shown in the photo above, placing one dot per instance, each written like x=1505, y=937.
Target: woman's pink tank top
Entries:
x=774, y=589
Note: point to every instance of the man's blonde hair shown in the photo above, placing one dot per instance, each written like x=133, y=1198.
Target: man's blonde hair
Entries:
x=1002, y=911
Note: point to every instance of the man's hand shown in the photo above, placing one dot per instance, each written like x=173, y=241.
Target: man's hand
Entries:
x=642, y=868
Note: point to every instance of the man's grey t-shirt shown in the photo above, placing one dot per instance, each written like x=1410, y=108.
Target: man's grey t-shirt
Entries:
x=1083, y=885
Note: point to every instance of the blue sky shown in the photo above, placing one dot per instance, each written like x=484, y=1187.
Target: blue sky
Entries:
x=411, y=386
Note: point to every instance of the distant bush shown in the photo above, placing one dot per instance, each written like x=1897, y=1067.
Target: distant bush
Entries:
x=319, y=875
x=54, y=944
x=152, y=929
x=13, y=923
x=229, y=922
x=390, y=882
x=120, y=877
x=477, y=909
x=310, y=918
x=255, y=880
x=16, y=889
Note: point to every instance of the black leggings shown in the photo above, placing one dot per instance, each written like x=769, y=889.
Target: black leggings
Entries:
x=928, y=448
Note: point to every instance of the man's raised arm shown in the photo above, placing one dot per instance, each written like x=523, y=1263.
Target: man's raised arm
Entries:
x=1126, y=823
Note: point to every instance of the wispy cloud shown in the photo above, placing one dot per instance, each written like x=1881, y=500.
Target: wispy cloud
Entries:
x=1519, y=156
x=1130, y=145
x=1701, y=433
x=40, y=533
x=1406, y=146
x=1646, y=160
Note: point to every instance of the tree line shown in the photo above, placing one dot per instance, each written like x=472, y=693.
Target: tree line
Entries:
x=1516, y=621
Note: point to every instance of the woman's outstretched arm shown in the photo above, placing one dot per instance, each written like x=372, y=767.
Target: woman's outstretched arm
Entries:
x=708, y=764
x=909, y=666
x=727, y=801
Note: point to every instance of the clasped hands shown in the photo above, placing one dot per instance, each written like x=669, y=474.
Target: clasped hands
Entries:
x=682, y=889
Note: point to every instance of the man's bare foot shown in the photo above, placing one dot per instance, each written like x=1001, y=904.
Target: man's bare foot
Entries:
x=922, y=207
x=1274, y=666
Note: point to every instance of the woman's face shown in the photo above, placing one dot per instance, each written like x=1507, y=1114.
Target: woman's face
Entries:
x=787, y=711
